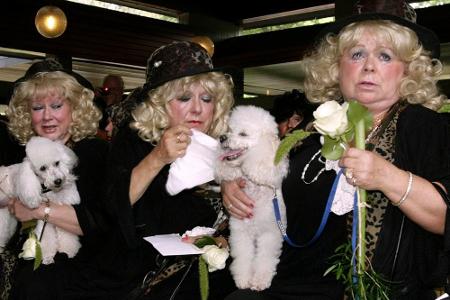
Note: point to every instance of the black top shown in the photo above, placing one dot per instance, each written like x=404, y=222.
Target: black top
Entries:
x=422, y=146
x=156, y=212
x=10, y=150
x=300, y=270
x=91, y=173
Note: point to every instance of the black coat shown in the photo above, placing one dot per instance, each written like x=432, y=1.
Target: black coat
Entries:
x=422, y=146
x=156, y=212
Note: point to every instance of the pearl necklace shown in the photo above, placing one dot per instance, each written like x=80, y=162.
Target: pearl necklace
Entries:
x=377, y=122
x=307, y=167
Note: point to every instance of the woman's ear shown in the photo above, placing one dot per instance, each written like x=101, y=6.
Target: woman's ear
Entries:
x=27, y=185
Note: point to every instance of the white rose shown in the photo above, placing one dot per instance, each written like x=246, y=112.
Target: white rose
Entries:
x=215, y=257
x=29, y=248
x=331, y=118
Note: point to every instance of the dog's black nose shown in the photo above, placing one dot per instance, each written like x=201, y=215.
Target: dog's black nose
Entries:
x=223, y=138
x=57, y=182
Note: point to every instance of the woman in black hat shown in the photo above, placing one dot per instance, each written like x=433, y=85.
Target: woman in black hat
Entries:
x=183, y=93
x=58, y=104
x=389, y=64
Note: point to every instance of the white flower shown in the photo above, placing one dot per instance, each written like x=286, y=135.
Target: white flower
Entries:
x=215, y=257
x=331, y=118
x=199, y=231
x=29, y=248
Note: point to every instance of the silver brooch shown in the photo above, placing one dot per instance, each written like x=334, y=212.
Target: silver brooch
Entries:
x=157, y=63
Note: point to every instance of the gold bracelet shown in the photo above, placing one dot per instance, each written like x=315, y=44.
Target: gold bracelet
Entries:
x=408, y=190
x=47, y=211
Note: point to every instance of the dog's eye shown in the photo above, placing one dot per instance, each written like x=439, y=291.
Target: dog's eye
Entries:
x=43, y=168
x=56, y=163
x=242, y=133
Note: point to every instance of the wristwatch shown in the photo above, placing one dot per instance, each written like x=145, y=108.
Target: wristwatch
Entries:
x=47, y=211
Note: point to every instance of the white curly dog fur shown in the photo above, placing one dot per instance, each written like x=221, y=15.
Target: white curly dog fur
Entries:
x=48, y=165
x=248, y=151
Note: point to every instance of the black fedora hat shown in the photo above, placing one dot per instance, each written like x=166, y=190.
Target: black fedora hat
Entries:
x=177, y=60
x=398, y=12
x=51, y=65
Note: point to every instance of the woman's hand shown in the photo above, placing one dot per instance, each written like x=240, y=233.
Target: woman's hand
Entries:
x=62, y=216
x=421, y=202
x=237, y=203
x=366, y=169
x=173, y=144
x=20, y=211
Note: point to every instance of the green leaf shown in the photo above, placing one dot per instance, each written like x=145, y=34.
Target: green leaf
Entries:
x=349, y=134
x=203, y=277
x=38, y=257
x=204, y=241
x=27, y=226
x=329, y=270
x=357, y=112
x=370, y=284
x=445, y=108
x=331, y=148
x=289, y=141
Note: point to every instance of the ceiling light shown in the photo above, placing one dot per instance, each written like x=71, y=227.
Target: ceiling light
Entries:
x=205, y=42
x=50, y=21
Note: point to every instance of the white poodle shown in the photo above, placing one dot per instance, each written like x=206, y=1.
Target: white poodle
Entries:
x=44, y=175
x=247, y=151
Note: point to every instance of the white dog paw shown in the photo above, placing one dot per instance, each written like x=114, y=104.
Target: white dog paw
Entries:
x=48, y=260
x=242, y=284
x=260, y=282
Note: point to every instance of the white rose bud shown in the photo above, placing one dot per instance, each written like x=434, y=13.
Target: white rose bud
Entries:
x=215, y=257
x=331, y=118
x=29, y=248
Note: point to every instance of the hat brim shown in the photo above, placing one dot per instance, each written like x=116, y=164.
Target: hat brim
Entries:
x=80, y=79
x=150, y=86
x=427, y=38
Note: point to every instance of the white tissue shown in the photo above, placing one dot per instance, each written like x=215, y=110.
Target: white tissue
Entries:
x=196, y=167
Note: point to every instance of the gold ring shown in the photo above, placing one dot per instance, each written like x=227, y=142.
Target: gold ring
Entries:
x=179, y=138
x=354, y=180
x=230, y=206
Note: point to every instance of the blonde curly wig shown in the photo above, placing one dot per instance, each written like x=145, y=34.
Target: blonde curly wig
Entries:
x=151, y=117
x=417, y=87
x=85, y=115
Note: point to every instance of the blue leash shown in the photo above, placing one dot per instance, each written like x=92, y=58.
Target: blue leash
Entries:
x=323, y=222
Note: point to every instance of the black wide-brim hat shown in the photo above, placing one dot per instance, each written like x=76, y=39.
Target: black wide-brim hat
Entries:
x=51, y=65
x=175, y=61
x=427, y=37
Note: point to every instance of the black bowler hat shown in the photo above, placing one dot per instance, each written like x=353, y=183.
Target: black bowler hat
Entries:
x=51, y=65
x=398, y=12
x=177, y=60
